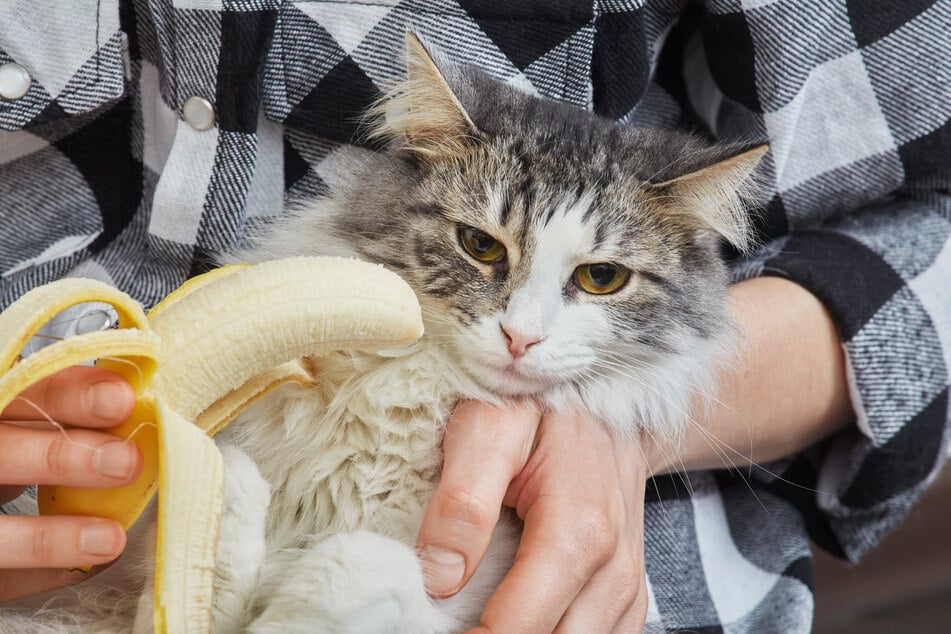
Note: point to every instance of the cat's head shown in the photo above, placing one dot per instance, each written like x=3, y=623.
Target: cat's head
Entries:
x=554, y=252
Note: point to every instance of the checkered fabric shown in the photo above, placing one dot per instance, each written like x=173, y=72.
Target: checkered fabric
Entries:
x=101, y=176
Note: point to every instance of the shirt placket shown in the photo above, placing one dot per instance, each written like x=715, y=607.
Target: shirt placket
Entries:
x=189, y=37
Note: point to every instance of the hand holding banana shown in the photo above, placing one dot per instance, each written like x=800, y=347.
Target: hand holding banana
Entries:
x=216, y=344
x=37, y=550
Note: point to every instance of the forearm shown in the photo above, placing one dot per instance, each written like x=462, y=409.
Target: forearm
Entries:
x=784, y=389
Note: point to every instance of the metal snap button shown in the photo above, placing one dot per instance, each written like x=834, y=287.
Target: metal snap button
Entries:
x=199, y=113
x=14, y=81
x=93, y=321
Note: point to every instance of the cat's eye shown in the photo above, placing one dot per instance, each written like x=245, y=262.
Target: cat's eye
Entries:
x=481, y=245
x=602, y=278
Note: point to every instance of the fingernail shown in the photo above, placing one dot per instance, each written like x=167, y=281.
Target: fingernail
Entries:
x=115, y=459
x=100, y=539
x=442, y=569
x=107, y=400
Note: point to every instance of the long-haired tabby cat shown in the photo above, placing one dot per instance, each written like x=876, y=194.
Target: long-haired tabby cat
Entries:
x=557, y=256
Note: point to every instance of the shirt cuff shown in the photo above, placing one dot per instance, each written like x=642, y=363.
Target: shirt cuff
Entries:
x=883, y=275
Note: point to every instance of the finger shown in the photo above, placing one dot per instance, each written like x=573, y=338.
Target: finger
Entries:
x=636, y=616
x=575, y=514
x=76, y=457
x=63, y=541
x=15, y=584
x=552, y=565
x=484, y=447
x=79, y=396
x=605, y=603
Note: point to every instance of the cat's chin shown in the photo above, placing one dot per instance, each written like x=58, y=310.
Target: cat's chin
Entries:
x=509, y=381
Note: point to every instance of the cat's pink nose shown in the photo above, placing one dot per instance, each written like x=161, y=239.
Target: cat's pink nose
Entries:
x=518, y=343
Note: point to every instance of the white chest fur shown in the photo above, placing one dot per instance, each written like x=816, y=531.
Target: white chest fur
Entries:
x=351, y=464
x=361, y=450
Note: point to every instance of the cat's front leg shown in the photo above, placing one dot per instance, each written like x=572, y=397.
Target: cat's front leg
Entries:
x=351, y=583
x=139, y=556
x=242, y=546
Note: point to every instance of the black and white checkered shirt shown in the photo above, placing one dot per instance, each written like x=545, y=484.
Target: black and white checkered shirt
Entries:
x=103, y=175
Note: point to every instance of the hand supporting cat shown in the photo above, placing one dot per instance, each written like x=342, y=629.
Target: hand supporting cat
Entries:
x=790, y=340
x=580, y=492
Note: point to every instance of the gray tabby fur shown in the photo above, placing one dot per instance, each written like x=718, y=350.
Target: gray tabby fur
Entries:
x=326, y=486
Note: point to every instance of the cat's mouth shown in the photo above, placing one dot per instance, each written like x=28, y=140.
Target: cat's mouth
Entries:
x=492, y=366
x=513, y=379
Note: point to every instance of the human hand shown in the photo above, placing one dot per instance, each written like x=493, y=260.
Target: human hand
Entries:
x=789, y=339
x=37, y=550
x=580, y=492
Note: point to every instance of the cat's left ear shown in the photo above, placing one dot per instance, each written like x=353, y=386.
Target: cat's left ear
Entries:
x=423, y=114
x=716, y=196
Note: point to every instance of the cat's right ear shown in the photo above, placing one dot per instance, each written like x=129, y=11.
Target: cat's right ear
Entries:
x=714, y=198
x=422, y=114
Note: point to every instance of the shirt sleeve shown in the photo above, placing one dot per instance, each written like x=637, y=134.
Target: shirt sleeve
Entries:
x=885, y=277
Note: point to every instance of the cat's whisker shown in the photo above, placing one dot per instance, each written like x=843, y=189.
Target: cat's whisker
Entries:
x=726, y=447
x=686, y=417
x=625, y=365
x=664, y=398
x=723, y=450
x=689, y=420
x=708, y=437
x=721, y=447
x=444, y=321
x=40, y=335
x=682, y=474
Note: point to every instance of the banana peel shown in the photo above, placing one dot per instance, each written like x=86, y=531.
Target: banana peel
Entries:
x=195, y=361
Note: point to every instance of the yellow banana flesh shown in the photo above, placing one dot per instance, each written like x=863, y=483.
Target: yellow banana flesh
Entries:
x=136, y=350
x=273, y=313
x=205, y=352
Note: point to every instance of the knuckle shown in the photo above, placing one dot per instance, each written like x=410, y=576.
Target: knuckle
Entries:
x=639, y=611
x=587, y=543
x=634, y=612
x=58, y=457
x=632, y=582
x=461, y=506
x=598, y=530
x=641, y=603
x=41, y=542
x=48, y=392
x=630, y=591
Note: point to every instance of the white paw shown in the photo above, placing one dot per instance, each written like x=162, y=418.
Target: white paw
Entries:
x=242, y=546
x=246, y=493
x=352, y=583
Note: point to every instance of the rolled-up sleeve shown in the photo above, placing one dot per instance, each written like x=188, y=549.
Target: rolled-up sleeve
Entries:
x=884, y=275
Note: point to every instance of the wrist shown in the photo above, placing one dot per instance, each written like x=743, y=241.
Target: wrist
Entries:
x=783, y=389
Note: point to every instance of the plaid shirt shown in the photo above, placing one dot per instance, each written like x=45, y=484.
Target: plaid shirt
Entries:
x=101, y=175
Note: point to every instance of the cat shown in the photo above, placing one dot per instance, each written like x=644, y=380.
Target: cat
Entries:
x=557, y=257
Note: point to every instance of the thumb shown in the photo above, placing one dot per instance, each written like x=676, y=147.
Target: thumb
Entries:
x=484, y=448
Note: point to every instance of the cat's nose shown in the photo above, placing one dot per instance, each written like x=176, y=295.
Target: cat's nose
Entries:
x=519, y=343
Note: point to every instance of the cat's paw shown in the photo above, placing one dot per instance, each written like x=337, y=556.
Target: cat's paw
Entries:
x=246, y=492
x=242, y=546
x=352, y=583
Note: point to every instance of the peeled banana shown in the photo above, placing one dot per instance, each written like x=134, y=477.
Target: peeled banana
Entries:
x=199, y=357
